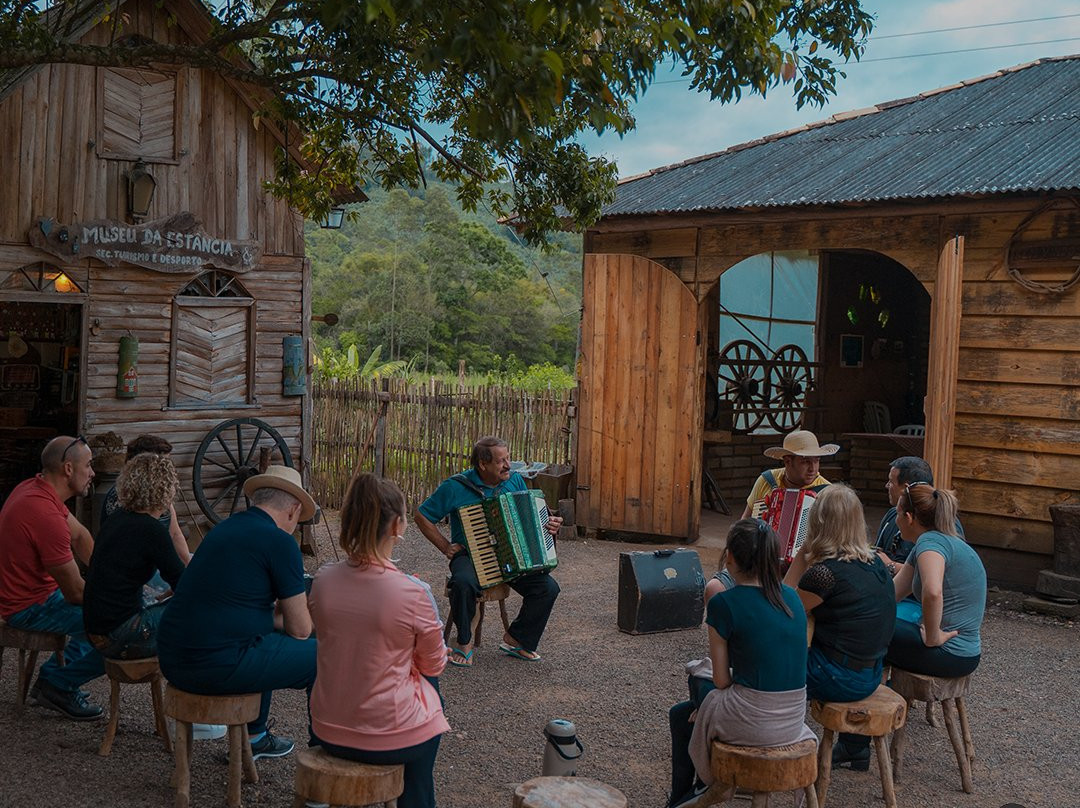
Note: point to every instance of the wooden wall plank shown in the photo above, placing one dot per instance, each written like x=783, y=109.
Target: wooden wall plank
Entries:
x=1035, y=401
x=1011, y=499
x=1022, y=468
x=1025, y=535
x=1020, y=367
x=1019, y=331
x=996, y=431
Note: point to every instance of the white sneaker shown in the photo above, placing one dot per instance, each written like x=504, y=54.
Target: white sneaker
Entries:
x=208, y=732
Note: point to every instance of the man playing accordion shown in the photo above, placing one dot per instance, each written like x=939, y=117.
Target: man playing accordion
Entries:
x=801, y=456
x=490, y=476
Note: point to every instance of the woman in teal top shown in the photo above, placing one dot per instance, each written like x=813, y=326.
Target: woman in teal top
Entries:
x=947, y=577
x=757, y=646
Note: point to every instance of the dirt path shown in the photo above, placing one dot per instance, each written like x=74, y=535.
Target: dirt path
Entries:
x=615, y=687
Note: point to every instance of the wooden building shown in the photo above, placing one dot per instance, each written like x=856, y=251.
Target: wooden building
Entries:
x=210, y=279
x=946, y=233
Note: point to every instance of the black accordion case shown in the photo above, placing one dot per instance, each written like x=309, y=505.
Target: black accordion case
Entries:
x=661, y=590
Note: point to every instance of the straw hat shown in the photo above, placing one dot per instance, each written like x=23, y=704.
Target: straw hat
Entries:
x=284, y=479
x=803, y=443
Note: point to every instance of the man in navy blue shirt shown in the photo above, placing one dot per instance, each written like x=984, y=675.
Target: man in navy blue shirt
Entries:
x=489, y=476
x=238, y=621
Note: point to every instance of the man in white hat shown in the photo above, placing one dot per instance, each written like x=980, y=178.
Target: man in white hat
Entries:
x=801, y=455
x=238, y=621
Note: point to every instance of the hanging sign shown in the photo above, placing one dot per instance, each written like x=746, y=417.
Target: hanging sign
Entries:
x=177, y=244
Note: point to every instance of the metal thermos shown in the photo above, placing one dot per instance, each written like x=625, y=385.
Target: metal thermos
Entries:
x=563, y=750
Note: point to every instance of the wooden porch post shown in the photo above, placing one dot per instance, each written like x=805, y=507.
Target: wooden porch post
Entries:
x=940, y=405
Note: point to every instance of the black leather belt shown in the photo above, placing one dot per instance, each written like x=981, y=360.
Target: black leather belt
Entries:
x=847, y=660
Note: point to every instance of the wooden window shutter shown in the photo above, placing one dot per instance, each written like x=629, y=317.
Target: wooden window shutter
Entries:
x=138, y=114
x=212, y=361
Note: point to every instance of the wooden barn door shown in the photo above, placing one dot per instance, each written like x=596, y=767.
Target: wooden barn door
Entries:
x=640, y=399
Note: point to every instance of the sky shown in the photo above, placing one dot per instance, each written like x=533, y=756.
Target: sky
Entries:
x=992, y=34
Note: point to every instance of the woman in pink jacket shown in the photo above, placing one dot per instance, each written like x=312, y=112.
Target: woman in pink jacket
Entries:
x=380, y=649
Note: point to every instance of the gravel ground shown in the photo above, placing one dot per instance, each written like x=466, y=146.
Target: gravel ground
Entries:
x=614, y=686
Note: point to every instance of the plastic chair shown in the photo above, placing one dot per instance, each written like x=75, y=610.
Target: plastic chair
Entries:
x=876, y=417
x=916, y=430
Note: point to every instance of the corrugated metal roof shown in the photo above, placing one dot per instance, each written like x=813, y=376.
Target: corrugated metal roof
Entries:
x=1017, y=130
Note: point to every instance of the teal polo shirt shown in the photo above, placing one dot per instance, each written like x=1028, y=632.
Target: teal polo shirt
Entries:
x=451, y=495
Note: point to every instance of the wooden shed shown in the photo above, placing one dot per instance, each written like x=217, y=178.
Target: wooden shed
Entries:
x=210, y=279
x=943, y=235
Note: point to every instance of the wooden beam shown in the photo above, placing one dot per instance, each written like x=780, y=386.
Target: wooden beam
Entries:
x=945, y=316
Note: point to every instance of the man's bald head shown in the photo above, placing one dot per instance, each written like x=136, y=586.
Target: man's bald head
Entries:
x=52, y=456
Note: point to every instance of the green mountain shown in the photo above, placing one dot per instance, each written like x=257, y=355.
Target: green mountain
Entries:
x=434, y=284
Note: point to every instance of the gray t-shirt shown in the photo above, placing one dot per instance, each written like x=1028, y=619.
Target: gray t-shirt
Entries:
x=964, y=590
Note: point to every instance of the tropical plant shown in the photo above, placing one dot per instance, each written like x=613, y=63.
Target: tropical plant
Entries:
x=333, y=364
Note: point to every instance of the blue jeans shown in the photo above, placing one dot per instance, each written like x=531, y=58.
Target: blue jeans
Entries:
x=830, y=681
x=82, y=661
x=136, y=637
x=271, y=662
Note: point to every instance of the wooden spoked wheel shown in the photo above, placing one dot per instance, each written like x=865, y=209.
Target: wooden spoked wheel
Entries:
x=743, y=382
x=789, y=382
x=232, y=452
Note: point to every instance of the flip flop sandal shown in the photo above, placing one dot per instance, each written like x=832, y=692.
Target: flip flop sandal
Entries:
x=459, y=658
x=518, y=652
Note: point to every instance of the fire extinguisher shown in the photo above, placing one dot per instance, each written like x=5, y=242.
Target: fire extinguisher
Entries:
x=127, y=371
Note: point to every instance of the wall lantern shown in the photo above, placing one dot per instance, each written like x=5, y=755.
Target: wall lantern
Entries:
x=141, y=186
x=334, y=217
x=63, y=283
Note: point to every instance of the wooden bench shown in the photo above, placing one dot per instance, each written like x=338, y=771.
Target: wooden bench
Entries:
x=323, y=778
x=878, y=715
x=29, y=644
x=233, y=711
x=133, y=672
x=567, y=792
x=498, y=593
x=763, y=770
x=950, y=692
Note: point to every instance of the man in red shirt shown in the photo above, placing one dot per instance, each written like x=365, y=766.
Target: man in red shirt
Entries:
x=41, y=588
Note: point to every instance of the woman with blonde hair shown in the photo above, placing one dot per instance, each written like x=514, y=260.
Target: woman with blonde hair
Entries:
x=376, y=698
x=847, y=589
x=131, y=547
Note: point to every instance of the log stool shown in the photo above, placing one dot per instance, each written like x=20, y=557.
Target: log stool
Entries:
x=766, y=769
x=321, y=777
x=500, y=592
x=950, y=692
x=133, y=672
x=879, y=714
x=29, y=644
x=233, y=711
x=567, y=792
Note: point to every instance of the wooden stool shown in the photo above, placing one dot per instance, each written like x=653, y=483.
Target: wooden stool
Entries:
x=766, y=769
x=29, y=643
x=567, y=792
x=499, y=592
x=879, y=714
x=233, y=711
x=133, y=672
x=321, y=777
x=950, y=692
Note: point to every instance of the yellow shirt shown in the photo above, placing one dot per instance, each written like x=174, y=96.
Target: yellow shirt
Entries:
x=762, y=487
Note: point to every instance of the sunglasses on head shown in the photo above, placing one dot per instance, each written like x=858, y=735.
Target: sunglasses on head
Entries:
x=69, y=447
x=915, y=484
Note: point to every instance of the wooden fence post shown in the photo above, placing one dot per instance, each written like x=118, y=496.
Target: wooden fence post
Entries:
x=380, y=433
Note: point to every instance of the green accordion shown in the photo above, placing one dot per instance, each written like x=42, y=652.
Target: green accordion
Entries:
x=507, y=536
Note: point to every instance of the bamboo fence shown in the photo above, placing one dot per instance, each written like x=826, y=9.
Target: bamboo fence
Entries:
x=418, y=435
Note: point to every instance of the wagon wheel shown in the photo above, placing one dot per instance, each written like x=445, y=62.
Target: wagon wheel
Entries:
x=232, y=452
x=789, y=382
x=742, y=380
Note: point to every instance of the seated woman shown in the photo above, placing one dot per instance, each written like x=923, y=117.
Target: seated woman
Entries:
x=376, y=698
x=131, y=548
x=757, y=646
x=848, y=591
x=150, y=444
x=947, y=578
